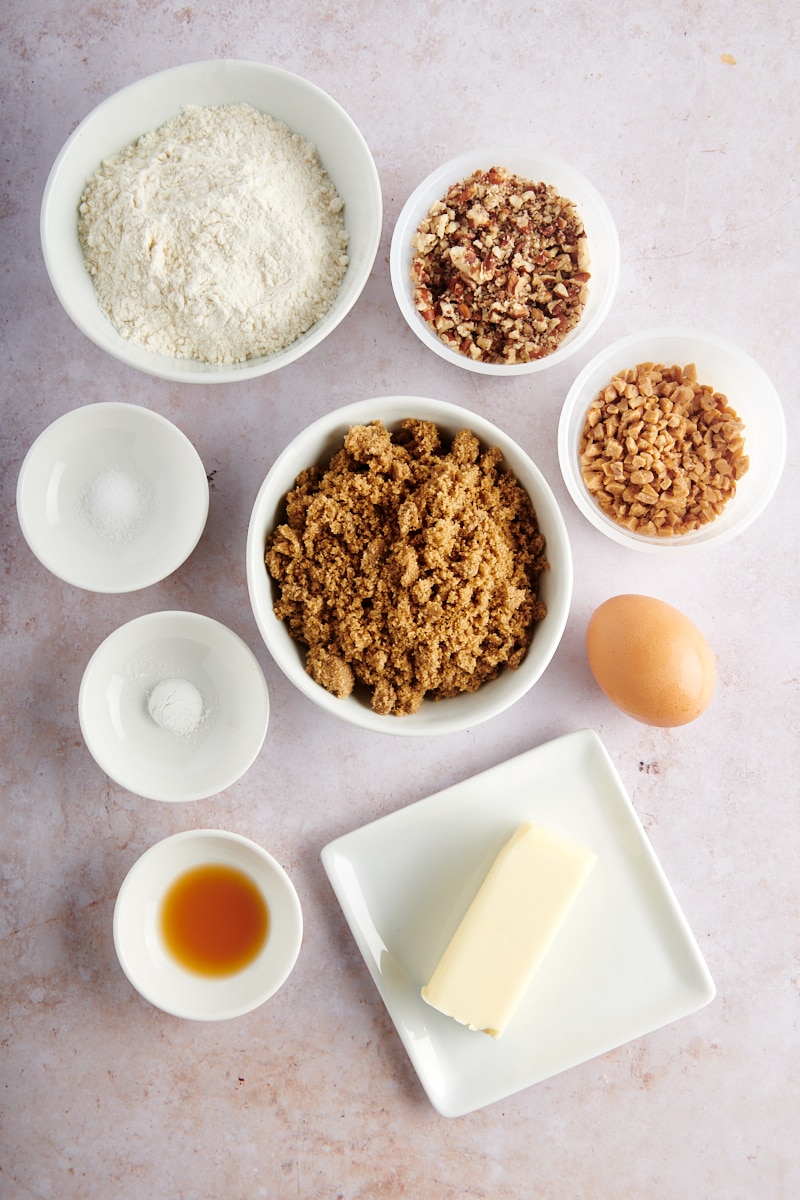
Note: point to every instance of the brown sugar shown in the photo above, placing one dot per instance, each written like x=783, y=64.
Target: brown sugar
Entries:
x=408, y=566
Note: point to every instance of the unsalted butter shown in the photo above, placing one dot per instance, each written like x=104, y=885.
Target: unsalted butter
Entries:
x=508, y=928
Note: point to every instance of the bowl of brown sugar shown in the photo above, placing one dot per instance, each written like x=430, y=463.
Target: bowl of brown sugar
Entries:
x=408, y=567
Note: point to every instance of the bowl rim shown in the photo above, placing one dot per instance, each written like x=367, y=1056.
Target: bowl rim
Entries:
x=269, y=864
x=189, y=370
x=450, y=716
x=698, y=540
x=88, y=415
x=455, y=169
x=192, y=620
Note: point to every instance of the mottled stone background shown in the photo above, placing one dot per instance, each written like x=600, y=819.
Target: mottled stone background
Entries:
x=685, y=116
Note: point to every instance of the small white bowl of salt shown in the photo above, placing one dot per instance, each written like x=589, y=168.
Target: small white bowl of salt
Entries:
x=174, y=706
x=112, y=497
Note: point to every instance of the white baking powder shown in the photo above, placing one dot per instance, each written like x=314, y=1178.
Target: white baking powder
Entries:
x=217, y=236
x=177, y=706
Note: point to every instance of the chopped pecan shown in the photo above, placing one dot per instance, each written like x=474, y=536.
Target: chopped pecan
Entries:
x=520, y=249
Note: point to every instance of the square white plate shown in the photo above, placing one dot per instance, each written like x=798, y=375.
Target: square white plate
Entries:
x=624, y=963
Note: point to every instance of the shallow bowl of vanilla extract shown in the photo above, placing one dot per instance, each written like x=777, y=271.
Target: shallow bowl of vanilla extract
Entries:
x=112, y=497
x=207, y=925
x=137, y=112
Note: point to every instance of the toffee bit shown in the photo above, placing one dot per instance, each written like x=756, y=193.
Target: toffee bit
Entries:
x=660, y=453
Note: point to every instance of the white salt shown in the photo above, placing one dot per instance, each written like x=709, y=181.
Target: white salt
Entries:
x=116, y=504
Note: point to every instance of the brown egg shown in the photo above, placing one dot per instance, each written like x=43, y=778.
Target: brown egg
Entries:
x=650, y=660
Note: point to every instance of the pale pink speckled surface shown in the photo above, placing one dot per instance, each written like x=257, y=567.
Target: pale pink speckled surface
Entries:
x=102, y=1097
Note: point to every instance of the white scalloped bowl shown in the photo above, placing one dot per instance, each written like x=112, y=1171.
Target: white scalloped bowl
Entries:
x=315, y=445
x=145, y=105
x=601, y=234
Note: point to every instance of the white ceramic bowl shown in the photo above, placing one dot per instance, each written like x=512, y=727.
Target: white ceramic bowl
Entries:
x=601, y=233
x=143, y=106
x=722, y=366
x=317, y=444
x=140, y=944
x=112, y=497
x=144, y=756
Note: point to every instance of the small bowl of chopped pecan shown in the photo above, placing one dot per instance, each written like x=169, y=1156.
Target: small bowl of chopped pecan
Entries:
x=505, y=261
x=672, y=440
x=408, y=566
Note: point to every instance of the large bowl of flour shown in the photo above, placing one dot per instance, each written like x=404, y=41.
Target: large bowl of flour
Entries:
x=213, y=222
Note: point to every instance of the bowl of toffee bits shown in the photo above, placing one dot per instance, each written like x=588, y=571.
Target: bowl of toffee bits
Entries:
x=505, y=261
x=671, y=439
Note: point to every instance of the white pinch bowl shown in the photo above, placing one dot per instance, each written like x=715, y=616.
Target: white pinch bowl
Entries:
x=601, y=234
x=154, y=528
x=316, y=444
x=145, y=105
x=722, y=366
x=135, y=751
x=143, y=953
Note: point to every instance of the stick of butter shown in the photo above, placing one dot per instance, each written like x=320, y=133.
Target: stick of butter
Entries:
x=508, y=928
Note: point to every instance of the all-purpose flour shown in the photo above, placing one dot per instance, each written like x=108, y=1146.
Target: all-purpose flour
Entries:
x=217, y=236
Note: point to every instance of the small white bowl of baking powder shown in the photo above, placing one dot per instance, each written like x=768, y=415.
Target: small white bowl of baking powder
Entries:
x=112, y=497
x=211, y=234
x=174, y=706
